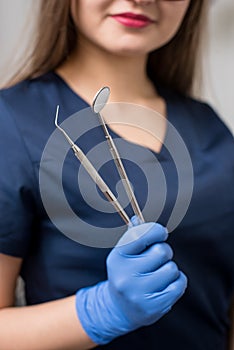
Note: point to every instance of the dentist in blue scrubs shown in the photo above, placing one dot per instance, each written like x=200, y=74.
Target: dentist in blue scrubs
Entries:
x=148, y=289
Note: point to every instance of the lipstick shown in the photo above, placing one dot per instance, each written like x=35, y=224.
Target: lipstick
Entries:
x=132, y=20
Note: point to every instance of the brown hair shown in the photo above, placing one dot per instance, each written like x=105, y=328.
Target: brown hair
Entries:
x=173, y=65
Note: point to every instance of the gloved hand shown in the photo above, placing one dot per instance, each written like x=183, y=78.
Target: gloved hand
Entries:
x=143, y=284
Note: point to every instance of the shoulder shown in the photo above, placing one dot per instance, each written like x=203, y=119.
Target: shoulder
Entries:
x=36, y=99
x=198, y=122
x=22, y=93
x=25, y=114
x=9, y=100
x=30, y=103
x=203, y=115
x=16, y=103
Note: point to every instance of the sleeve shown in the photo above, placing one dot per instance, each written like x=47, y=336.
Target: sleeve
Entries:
x=16, y=183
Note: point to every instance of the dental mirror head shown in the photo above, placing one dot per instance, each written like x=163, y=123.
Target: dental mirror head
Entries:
x=101, y=99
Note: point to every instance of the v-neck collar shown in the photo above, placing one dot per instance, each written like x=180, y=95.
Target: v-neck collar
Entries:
x=164, y=93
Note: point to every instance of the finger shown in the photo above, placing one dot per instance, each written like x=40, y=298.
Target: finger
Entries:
x=152, y=258
x=135, y=220
x=160, y=279
x=169, y=296
x=137, y=238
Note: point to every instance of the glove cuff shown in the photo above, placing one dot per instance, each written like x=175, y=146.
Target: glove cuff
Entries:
x=98, y=315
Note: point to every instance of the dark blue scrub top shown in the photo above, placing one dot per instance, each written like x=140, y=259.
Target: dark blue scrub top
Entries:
x=55, y=266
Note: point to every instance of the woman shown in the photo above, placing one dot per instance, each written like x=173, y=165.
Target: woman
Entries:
x=146, y=52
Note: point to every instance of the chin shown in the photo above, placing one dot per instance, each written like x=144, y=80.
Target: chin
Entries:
x=131, y=48
x=131, y=51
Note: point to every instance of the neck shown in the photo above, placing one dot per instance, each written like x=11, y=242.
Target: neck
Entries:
x=88, y=70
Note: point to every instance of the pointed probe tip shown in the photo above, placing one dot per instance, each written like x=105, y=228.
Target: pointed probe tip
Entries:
x=56, y=116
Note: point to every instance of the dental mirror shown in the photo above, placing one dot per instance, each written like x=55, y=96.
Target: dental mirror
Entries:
x=100, y=99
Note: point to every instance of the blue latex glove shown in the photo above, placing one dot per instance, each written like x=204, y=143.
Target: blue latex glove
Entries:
x=143, y=284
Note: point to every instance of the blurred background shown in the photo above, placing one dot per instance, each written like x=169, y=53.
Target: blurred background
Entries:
x=16, y=24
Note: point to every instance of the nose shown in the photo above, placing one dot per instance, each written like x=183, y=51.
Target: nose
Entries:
x=142, y=2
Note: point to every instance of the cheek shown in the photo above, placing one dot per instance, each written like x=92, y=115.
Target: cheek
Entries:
x=82, y=12
x=171, y=16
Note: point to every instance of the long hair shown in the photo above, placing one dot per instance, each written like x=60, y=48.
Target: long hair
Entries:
x=173, y=65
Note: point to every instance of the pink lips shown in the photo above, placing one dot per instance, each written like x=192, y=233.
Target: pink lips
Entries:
x=133, y=20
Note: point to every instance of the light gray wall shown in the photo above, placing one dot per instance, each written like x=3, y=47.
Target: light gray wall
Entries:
x=14, y=29
x=218, y=56
x=218, y=59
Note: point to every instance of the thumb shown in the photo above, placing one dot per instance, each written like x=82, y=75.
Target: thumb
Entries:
x=137, y=238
